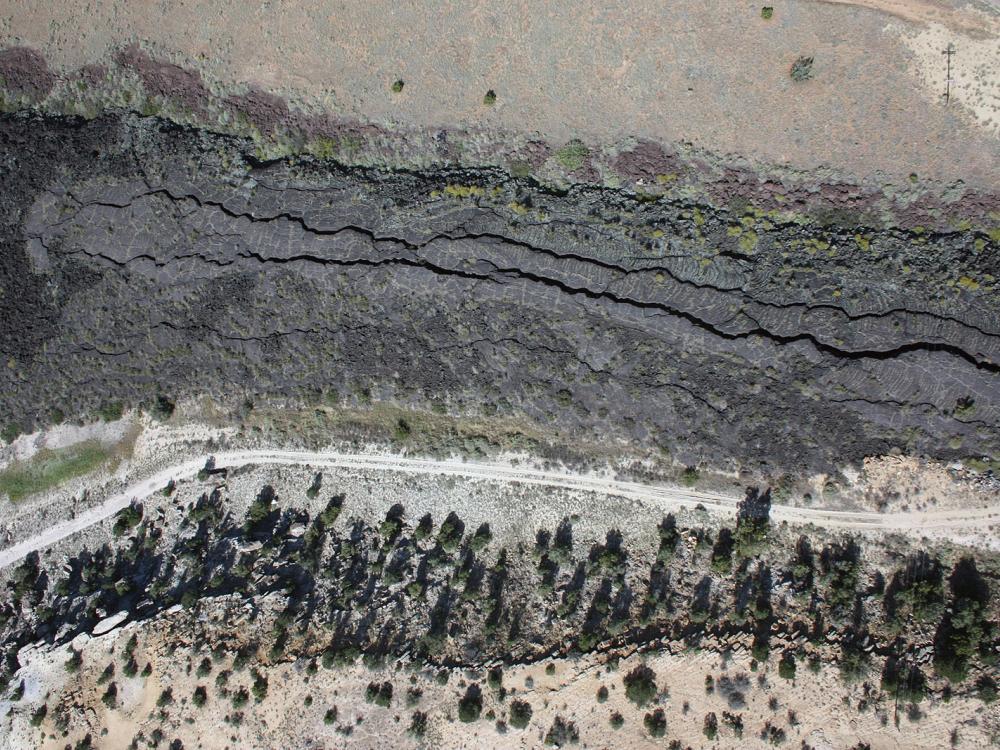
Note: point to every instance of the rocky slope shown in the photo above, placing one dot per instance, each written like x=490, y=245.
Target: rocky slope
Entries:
x=735, y=324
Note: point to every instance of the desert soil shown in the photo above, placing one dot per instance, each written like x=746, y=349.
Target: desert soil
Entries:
x=596, y=70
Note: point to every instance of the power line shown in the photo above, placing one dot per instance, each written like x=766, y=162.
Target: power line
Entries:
x=948, y=52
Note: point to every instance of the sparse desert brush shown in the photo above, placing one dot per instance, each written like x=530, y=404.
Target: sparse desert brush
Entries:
x=802, y=69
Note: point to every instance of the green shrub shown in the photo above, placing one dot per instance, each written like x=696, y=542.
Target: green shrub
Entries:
x=562, y=733
x=520, y=714
x=161, y=408
x=314, y=488
x=38, y=716
x=786, y=667
x=490, y=98
x=10, y=432
x=110, y=697
x=471, y=704
x=397, y=85
x=905, y=682
x=640, y=685
x=572, y=156
x=200, y=696
x=240, y=698
x=74, y=662
x=986, y=686
x=424, y=527
x=111, y=411
x=379, y=693
x=655, y=723
x=127, y=518
x=481, y=538
x=802, y=69
x=767, y=12
x=418, y=724
x=259, y=687
x=450, y=533
x=711, y=726
x=722, y=552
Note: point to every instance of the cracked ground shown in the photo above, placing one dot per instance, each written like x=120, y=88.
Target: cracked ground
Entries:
x=163, y=261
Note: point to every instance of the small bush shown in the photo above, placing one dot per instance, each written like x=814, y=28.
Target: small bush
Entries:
x=450, y=533
x=259, y=687
x=418, y=724
x=572, y=156
x=562, y=732
x=767, y=12
x=10, y=432
x=161, y=408
x=127, y=518
x=786, y=667
x=397, y=85
x=520, y=714
x=240, y=698
x=481, y=538
x=640, y=685
x=655, y=723
x=690, y=476
x=38, y=716
x=424, y=527
x=987, y=688
x=379, y=694
x=490, y=98
x=110, y=697
x=200, y=696
x=711, y=726
x=111, y=411
x=802, y=69
x=74, y=662
x=471, y=704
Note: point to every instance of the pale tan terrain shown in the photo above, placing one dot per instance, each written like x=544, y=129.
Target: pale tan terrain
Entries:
x=817, y=707
x=714, y=74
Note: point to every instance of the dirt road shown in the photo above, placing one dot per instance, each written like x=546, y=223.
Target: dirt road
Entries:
x=667, y=498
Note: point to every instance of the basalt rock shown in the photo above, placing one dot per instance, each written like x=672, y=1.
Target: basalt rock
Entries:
x=139, y=258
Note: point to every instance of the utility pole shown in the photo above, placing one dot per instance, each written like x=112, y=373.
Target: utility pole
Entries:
x=948, y=52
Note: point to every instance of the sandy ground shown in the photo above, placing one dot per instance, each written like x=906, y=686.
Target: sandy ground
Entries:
x=714, y=74
x=967, y=19
x=816, y=708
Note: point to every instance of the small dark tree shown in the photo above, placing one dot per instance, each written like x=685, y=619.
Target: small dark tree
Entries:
x=418, y=724
x=471, y=704
x=655, y=723
x=520, y=714
x=640, y=685
x=711, y=726
x=786, y=667
x=562, y=732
